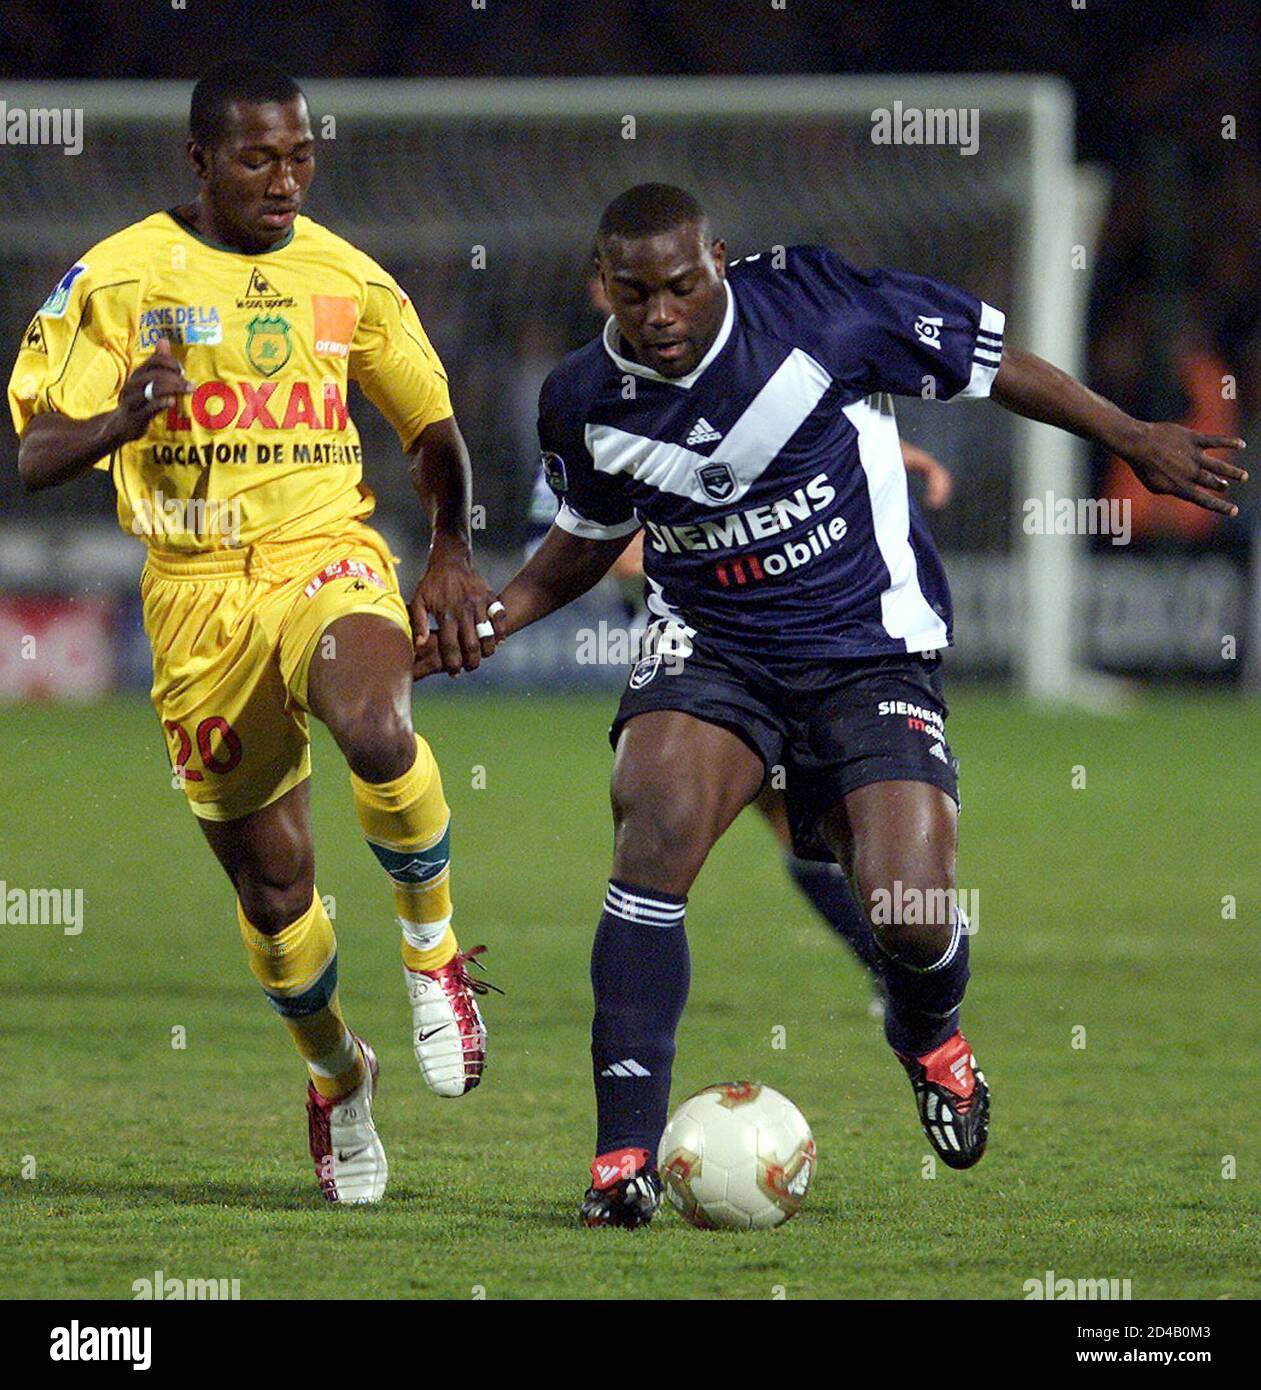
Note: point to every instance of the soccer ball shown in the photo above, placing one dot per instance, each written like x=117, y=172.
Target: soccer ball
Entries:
x=738, y=1156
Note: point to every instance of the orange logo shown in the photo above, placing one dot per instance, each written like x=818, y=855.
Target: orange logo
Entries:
x=335, y=319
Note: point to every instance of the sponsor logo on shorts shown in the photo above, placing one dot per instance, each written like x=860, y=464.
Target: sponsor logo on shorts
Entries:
x=920, y=718
x=342, y=569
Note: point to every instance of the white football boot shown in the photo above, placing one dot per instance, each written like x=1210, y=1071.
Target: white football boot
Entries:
x=350, y=1163
x=448, y=1035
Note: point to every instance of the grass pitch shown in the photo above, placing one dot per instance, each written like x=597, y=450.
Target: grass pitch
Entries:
x=1101, y=912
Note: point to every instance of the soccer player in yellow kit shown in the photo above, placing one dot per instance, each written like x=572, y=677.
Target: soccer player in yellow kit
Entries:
x=203, y=357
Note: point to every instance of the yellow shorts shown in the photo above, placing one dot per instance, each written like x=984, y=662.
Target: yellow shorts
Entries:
x=233, y=635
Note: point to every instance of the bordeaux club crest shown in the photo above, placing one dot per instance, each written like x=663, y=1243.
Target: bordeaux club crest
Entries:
x=717, y=481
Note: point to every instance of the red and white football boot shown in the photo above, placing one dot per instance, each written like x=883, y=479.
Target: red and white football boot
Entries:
x=350, y=1163
x=448, y=1035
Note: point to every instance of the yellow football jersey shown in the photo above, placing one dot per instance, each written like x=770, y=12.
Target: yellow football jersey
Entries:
x=269, y=342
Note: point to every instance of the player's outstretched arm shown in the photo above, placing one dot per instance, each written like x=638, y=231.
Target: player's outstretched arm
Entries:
x=562, y=569
x=452, y=628
x=56, y=448
x=1166, y=457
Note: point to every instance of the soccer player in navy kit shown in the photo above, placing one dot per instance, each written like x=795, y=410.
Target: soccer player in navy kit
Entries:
x=740, y=415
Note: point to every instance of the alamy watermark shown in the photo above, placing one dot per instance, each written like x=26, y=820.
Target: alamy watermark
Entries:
x=1049, y=1287
x=194, y=516
x=934, y=125
x=1050, y=515
x=162, y=1288
x=928, y=907
x=78, y=1342
x=42, y=907
x=42, y=125
x=661, y=647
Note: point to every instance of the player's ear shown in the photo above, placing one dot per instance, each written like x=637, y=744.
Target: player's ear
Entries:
x=719, y=252
x=198, y=159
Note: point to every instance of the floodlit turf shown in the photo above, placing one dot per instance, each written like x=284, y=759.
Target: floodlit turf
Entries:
x=1101, y=909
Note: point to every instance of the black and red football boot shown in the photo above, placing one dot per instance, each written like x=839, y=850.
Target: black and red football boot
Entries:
x=625, y=1190
x=953, y=1101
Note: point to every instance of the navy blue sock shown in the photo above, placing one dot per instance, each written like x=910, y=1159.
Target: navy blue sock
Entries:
x=828, y=890
x=640, y=972
x=922, y=1008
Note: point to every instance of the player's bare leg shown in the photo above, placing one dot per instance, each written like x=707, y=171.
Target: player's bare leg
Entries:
x=897, y=841
x=826, y=887
x=292, y=949
x=678, y=783
x=360, y=686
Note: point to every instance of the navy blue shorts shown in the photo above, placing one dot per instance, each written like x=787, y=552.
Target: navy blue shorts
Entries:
x=823, y=727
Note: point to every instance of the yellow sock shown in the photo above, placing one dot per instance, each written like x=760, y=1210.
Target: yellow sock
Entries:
x=407, y=824
x=297, y=968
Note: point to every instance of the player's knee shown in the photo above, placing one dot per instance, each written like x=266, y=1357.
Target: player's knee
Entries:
x=658, y=824
x=375, y=735
x=271, y=902
x=910, y=904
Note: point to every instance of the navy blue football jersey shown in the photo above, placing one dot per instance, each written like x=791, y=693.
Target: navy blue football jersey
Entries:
x=769, y=481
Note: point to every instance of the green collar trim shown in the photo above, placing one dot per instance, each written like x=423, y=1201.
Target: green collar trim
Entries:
x=231, y=250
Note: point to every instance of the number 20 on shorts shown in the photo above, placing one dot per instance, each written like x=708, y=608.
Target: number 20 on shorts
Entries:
x=224, y=759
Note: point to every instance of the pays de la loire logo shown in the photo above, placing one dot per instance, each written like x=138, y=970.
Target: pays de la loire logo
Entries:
x=267, y=343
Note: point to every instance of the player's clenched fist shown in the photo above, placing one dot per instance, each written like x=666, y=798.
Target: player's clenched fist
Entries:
x=153, y=387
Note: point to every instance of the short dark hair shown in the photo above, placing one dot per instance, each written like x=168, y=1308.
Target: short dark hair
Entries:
x=238, y=79
x=648, y=209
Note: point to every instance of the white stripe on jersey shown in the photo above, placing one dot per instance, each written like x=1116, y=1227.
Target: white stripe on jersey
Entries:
x=905, y=612
x=752, y=444
x=569, y=520
x=986, y=354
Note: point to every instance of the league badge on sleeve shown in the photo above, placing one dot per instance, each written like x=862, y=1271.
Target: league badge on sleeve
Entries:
x=55, y=306
x=554, y=472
